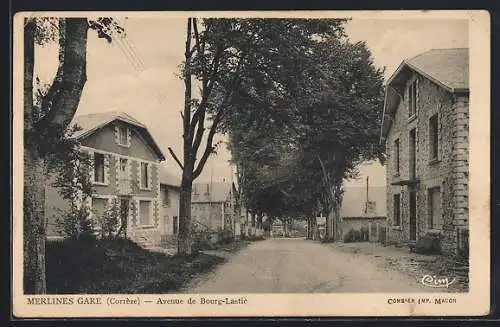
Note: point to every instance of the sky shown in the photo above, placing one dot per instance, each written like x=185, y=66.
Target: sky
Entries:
x=139, y=74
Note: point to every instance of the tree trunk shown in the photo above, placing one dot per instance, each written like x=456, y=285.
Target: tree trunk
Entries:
x=329, y=226
x=59, y=106
x=259, y=221
x=34, y=223
x=185, y=237
x=337, y=220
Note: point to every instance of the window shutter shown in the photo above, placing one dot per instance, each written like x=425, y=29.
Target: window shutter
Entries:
x=117, y=173
x=117, y=134
x=129, y=171
x=417, y=93
x=106, y=168
x=129, y=136
x=150, y=177
x=92, y=177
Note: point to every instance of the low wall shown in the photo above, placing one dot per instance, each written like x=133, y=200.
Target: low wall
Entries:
x=373, y=224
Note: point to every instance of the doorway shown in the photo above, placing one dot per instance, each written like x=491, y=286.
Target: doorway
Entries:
x=413, y=215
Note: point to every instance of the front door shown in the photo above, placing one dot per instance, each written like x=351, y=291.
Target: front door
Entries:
x=124, y=207
x=413, y=215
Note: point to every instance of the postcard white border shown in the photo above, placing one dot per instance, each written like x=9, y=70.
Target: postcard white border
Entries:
x=475, y=302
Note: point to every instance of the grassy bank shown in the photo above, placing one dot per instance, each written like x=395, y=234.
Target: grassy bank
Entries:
x=121, y=266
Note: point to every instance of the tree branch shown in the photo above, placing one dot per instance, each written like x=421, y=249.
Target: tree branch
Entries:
x=187, y=95
x=172, y=153
x=200, y=53
x=64, y=94
x=206, y=92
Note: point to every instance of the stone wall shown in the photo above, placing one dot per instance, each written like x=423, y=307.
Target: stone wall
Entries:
x=449, y=172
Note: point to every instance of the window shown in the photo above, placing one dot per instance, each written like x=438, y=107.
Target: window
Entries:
x=433, y=137
x=122, y=135
x=165, y=196
x=434, y=208
x=145, y=212
x=412, y=99
x=99, y=167
x=99, y=206
x=396, y=156
x=396, y=221
x=145, y=175
x=176, y=224
x=413, y=153
x=123, y=167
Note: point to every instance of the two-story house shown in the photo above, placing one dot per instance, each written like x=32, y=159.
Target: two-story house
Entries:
x=125, y=170
x=425, y=130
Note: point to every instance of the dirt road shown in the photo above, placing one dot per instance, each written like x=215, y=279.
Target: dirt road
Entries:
x=303, y=266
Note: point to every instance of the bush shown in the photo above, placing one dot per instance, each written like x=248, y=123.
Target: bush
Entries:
x=253, y=238
x=429, y=244
x=354, y=235
x=75, y=223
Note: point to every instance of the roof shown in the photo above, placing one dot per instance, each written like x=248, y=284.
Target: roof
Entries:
x=354, y=199
x=211, y=192
x=91, y=123
x=448, y=68
x=168, y=178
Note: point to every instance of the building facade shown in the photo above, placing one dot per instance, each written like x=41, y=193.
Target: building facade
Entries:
x=124, y=173
x=364, y=205
x=169, y=207
x=213, y=206
x=425, y=130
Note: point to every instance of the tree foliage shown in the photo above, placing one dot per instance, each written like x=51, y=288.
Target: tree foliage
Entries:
x=232, y=59
x=304, y=124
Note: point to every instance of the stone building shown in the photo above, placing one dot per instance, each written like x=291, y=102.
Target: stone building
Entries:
x=425, y=131
x=213, y=207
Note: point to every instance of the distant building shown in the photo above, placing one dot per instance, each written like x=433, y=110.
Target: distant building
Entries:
x=364, y=204
x=169, y=207
x=425, y=131
x=213, y=206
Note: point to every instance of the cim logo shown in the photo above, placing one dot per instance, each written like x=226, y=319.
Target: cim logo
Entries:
x=433, y=281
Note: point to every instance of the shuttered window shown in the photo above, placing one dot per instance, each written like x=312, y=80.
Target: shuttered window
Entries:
x=434, y=208
x=433, y=137
x=145, y=175
x=396, y=210
x=145, y=212
x=412, y=99
x=99, y=167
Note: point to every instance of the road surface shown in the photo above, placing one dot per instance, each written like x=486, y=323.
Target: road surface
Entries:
x=302, y=266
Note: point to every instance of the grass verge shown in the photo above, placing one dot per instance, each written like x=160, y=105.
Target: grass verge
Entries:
x=121, y=266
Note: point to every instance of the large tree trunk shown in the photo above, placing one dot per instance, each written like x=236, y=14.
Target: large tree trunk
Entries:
x=34, y=223
x=185, y=237
x=59, y=106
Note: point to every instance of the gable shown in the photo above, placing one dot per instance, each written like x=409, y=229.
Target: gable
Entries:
x=104, y=139
x=448, y=69
x=99, y=123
